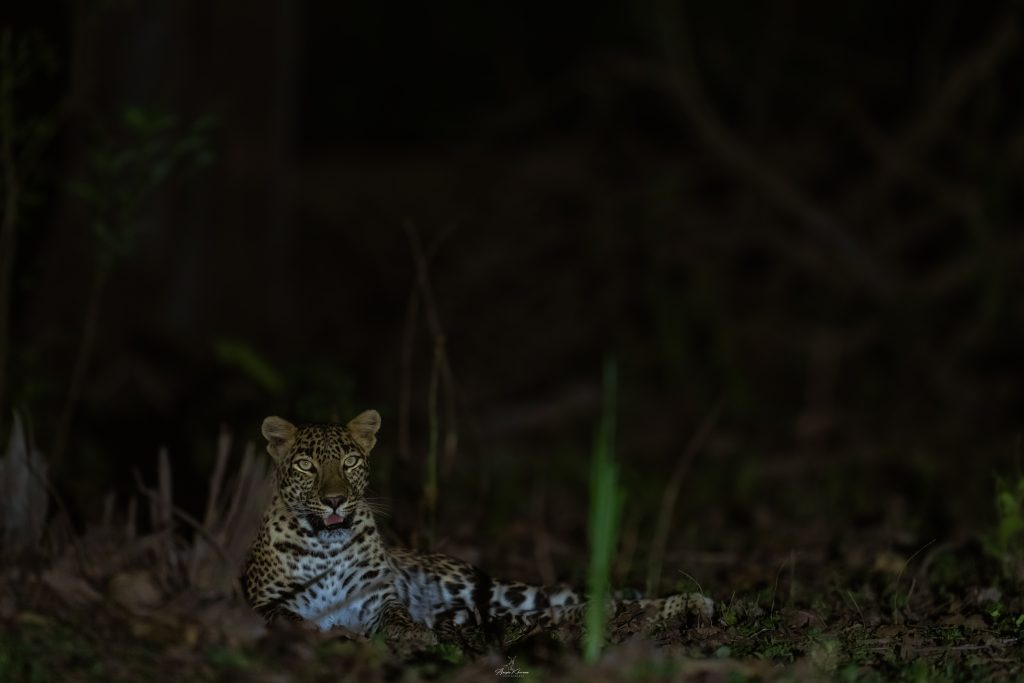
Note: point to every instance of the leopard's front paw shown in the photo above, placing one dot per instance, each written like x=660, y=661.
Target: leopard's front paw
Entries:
x=404, y=636
x=410, y=639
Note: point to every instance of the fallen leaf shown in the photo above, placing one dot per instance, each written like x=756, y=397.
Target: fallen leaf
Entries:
x=70, y=587
x=973, y=622
x=135, y=591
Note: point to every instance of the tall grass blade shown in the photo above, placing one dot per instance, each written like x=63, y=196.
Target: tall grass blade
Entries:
x=605, y=508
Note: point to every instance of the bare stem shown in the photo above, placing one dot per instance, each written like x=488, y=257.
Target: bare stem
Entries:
x=412, y=314
x=431, y=488
x=671, y=494
x=442, y=379
x=82, y=361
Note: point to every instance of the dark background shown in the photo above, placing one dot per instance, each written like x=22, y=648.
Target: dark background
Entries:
x=809, y=212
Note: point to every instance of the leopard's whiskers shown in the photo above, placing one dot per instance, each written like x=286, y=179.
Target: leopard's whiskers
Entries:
x=379, y=506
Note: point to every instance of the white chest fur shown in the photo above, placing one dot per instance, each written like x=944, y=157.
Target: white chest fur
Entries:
x=339, y=578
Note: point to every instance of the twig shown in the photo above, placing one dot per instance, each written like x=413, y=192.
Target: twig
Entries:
x=671, y=494
x=896, y=585
x=854, y=601
x=911, y=559
x=700, y=589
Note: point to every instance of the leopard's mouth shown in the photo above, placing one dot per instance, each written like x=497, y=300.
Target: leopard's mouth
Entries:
x=330, y=522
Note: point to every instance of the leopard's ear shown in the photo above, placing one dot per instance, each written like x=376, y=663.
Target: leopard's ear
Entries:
x=280, y=436
x=363, y=429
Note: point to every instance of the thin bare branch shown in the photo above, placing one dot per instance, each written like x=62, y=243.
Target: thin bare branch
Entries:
x=686, y=85
x=412, y=313
x=671, y=494
x=83, y=359
x=900, y=154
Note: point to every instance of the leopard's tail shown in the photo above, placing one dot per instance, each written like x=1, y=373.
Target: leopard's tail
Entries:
x=682, y=604
x=547, y=605
x=543, y=604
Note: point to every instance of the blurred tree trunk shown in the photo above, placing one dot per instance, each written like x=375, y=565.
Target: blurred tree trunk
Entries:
x=245, y=68
x=9, y=219
x=190, y=59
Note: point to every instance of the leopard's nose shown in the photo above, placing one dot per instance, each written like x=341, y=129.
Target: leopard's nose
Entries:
x=333, y=501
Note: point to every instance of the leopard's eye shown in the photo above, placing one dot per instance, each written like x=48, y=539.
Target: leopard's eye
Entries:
x=350, y=460
x=304, y=465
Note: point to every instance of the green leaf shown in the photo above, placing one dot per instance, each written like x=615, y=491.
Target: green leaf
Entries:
x=252, y=364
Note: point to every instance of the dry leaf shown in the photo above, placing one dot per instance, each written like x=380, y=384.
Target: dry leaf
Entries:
x=135, y=591
x=70, y=587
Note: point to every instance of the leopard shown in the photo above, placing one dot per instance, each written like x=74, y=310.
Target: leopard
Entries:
x=320, y=559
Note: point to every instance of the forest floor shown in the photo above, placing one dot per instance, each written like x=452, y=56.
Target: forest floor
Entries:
x=865, y=617
x=797, y=598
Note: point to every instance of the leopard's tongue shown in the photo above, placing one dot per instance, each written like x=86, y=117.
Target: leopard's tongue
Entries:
x=333, y=518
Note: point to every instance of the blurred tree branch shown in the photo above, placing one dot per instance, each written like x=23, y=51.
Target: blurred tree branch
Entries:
x=441, y=375
x=899, y=155
x=684, y=83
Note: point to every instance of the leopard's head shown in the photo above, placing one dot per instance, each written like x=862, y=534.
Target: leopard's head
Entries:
x=322, y=470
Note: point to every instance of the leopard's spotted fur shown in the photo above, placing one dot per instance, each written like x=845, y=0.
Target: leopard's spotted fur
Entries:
x=318, y=556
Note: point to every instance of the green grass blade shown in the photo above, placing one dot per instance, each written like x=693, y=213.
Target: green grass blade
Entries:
x=605, y=506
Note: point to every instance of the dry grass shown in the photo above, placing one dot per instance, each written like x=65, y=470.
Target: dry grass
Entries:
x=157, y=598
x=171, y=572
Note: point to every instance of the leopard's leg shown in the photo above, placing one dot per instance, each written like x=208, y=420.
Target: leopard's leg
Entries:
x=402, y=634
x=282, y=615
x=627, y=617
x=470, y=637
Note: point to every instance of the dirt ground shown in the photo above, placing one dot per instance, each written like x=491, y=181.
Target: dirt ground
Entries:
x=804, y=591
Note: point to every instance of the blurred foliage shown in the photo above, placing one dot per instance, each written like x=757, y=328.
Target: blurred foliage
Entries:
x=1005, y=543
x=42, y=651
x=599, y=215
x=321, y=389
x=25, y=58
x=33, y=60
x=254, y=366
x=583, y=152
x=132, y=158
